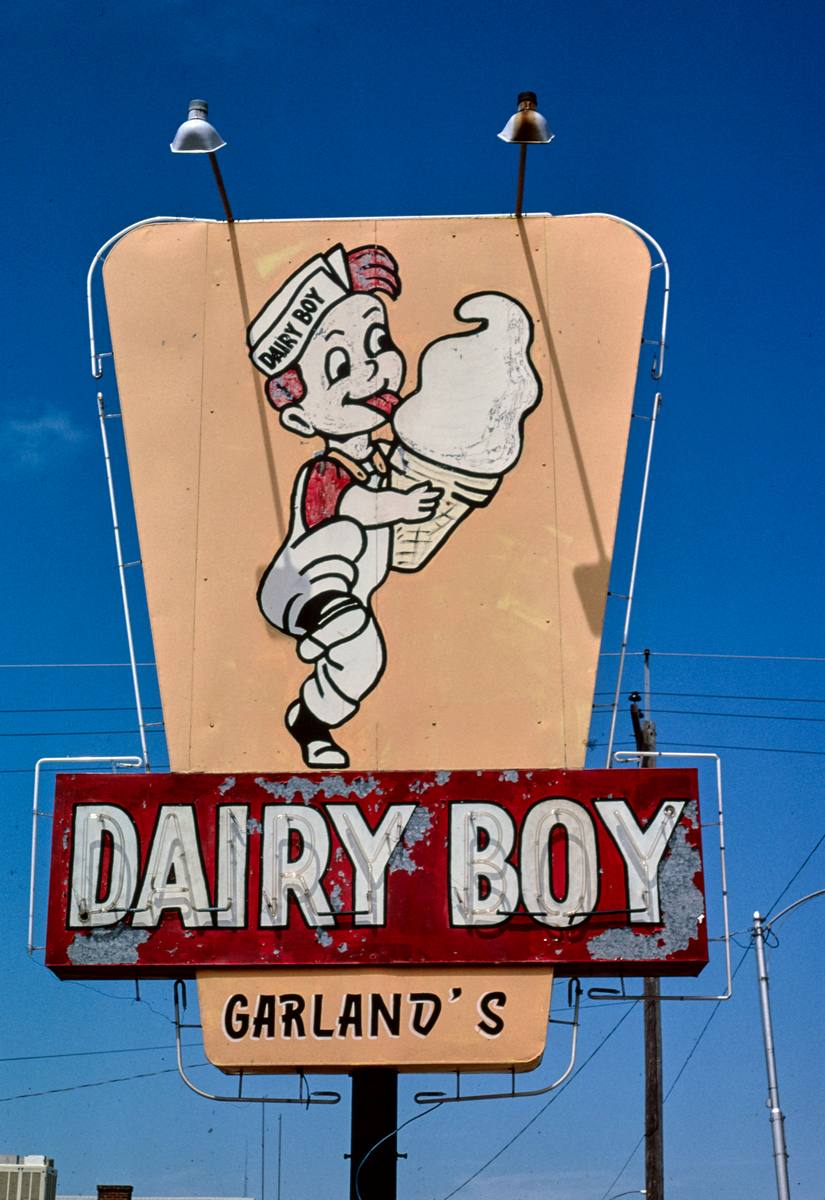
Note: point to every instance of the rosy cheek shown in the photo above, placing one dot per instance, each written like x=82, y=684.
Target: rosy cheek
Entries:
x=394, y=369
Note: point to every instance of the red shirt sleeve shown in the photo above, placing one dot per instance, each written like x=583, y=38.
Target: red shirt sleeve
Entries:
x=326, y=482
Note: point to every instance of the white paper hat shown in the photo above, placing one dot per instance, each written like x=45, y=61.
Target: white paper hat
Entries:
x=282, y=329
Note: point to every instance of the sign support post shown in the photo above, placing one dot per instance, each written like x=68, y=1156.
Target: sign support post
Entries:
x=374, y=1117
x=654, y=1133
x=644, y=732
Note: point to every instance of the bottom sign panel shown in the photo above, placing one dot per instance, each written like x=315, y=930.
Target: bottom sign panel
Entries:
x=287, y=1020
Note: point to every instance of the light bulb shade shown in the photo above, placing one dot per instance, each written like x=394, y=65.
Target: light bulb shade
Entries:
x=526, y=124
x=196, y=135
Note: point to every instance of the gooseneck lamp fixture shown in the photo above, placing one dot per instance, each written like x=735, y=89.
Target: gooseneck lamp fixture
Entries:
x=526, y=126
x=197, y=136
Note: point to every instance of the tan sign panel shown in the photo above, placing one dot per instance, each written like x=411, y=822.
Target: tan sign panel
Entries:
x=376, y=467
x=338, y=1020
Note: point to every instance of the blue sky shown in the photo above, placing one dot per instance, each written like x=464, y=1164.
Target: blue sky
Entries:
x=699, y=122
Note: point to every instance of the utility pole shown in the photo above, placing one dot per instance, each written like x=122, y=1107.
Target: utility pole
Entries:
x=644, y=731
x=263, y=1151
x=374, y=1117
x=280, y=1132
x=780, y=1152
x=761, y=929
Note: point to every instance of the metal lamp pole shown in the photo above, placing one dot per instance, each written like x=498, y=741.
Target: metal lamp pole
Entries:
x=780, y=1152
x=777, y=1119
x=197, y=136
x=526, y=126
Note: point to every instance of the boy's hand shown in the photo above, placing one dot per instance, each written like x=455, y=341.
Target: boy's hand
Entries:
x=372, y=508
x=419, y=503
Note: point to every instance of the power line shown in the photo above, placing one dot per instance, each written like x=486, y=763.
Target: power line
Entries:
x=712, y=1014
x=752, y=749
x=609, y=1189
x=112, y=996
x=703, y=654
x=604, y=654
x=795, y=875
x=679, y=1073
x=717, y=746
x=91, y=1053
x=698, y=712
x=67, y=666
x=72, y=769
x=30, y=770
x=393, y=1132
x=731, y=696
x=120, y=708
x=544, y=1107
x=76, y=732
x=76, y=1087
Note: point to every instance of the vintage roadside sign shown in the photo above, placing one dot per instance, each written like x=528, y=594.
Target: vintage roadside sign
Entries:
x=584, y=872
x=376, y=467
x=435, y=1019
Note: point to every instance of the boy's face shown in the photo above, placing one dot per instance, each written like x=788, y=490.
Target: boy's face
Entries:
x=351, y=370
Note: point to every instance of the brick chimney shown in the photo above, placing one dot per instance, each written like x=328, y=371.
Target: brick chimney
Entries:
x=114, y=1191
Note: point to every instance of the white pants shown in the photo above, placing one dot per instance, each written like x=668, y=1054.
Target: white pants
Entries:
x=340, y=556
x=344, y=674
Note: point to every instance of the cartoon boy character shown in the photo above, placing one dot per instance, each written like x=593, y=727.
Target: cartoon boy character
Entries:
x=333, y=370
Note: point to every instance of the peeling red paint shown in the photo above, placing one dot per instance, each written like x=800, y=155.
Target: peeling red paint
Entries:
x=419, y=927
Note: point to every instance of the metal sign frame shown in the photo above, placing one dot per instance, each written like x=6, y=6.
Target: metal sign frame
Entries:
x=297, y=859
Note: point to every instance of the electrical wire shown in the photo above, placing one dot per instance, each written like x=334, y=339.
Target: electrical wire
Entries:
x=712, y=1014
x=109, y=995
x=703, y=654
x=716, y=746
x=77, y=1087
x=78, y=732
x=67, y=666
x=112, y=996
x=732, y=696
x=68, y=769
x=91, y=1053
x=609, y=1189
x=393, y=1133
x=122, y=708
x=544, y=1107
x=750, y=749
x=795, y=875
x=696, y=712
x=603, y=654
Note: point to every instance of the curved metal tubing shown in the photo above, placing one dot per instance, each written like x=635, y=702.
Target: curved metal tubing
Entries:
x=121, y=570
x=784, y=912
x=658, y=368
x=97, y=373
x=116, y=760
x=305, y=1096
x=631, y=591
x=574, y=987
x=97, y=365
x=619, y=993
x=656, y=372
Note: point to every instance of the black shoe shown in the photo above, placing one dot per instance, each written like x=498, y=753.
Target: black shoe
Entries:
x=317, y=746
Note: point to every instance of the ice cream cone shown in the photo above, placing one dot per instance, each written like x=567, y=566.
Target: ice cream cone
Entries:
x=415, y=542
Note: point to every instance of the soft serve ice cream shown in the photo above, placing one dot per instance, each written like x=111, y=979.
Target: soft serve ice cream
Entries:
x=461, y=430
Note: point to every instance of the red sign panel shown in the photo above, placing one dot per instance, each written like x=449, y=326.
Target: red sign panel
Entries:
x=586, y=871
